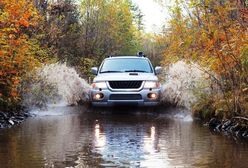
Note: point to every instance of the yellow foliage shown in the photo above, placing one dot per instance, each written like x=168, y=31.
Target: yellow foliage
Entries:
x=17, y=17
x=213, y=36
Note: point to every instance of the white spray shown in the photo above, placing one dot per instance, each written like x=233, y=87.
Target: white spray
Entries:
x=56, y=83
x=70, y=86
x=183, y=82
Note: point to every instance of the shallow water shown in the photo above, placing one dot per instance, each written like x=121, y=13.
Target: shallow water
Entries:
x=79, y=137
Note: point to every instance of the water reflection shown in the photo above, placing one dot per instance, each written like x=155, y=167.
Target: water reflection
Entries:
x=100, y=138
x=89, y=139
x=150, y=144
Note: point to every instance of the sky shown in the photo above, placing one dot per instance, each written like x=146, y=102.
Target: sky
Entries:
x=154, y=15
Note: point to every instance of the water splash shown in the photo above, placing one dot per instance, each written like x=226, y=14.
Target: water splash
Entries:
x=183, y=83
x=60, y=85
x=70, y=86
x=57, y=84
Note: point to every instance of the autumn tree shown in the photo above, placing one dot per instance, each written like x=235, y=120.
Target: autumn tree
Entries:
x=107, y=28
x=19, y=51
x=137, y=16
x=82, y=33
x=153, y=46
x=60, y=29
x=211, y=33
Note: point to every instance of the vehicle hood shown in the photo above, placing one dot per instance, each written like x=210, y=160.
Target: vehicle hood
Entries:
x=125, y=77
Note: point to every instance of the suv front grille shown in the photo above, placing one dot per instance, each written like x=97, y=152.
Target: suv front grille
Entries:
x=125, y=84
x=125, y=97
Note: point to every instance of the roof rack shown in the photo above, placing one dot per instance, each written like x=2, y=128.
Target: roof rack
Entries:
x=139, y=54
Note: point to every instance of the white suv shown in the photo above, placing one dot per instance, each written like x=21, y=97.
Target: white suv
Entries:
x=125, y=80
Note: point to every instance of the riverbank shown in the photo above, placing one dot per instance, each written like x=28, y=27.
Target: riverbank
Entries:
x=9, y=119
x=236, y=127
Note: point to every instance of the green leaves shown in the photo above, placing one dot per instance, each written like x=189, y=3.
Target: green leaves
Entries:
x=108, y=28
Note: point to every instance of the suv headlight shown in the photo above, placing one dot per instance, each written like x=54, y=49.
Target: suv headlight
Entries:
x=151, y=85
x=99, y=85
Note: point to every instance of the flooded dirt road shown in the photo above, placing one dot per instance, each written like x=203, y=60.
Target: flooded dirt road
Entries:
x=79, y=137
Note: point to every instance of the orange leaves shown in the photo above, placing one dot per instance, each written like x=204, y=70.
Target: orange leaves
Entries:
x=27, y=15
x=26, y=18
x=11, y=36
x=24, y=22
x=214, y=36
x=1, y=73
x=16, y=49
x=16, y=81
x=222, y=37
x=14, y=93
x=17, y=14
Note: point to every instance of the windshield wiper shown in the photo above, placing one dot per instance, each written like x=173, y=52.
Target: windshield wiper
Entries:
x=110, y=71
x=134, y=70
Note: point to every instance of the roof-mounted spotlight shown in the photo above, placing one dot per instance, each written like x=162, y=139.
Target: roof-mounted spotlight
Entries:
x=140, y=54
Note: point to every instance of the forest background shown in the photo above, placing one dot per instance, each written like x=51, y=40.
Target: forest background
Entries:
x=211, y=33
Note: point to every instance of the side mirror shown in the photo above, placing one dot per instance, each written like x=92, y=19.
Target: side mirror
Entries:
x=94, y=70
x=158, y=70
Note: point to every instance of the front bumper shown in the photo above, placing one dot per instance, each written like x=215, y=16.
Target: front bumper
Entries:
x=127, y=98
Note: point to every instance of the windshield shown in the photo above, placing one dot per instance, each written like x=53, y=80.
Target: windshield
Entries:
x=126, y=65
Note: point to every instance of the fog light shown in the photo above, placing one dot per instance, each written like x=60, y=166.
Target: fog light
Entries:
x=152, y=96
x=98, y=96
